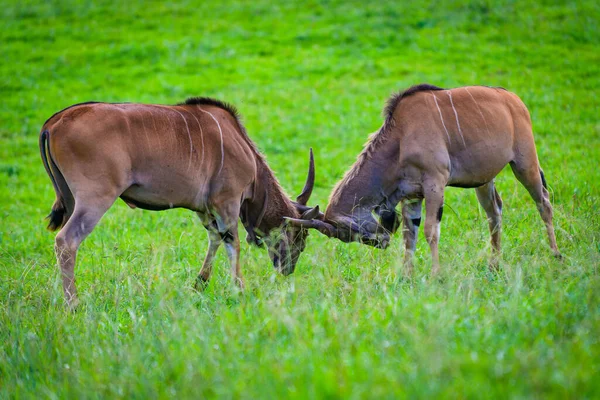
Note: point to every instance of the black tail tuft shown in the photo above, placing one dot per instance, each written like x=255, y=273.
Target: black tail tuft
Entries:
x=56, y=218
x=543, y=179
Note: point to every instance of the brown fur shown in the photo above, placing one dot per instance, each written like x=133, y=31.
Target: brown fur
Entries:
x=432, y=138
x=380, y=136
x=196, y=155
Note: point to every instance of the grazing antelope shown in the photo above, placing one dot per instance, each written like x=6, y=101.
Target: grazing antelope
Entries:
x=433, y=138
x=195, y=155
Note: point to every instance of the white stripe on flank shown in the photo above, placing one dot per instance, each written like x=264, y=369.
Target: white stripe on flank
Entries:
x=189, y=136
x=201, y=137
x=479, y=109
x=154, y=122
x=144, y=126
x=200, y=186
x=126, y=120
x=456, y=115
x=221, y=133
x=156, y=130
x=441, y=117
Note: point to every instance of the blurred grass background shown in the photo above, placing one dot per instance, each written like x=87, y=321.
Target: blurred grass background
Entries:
x=344, y=325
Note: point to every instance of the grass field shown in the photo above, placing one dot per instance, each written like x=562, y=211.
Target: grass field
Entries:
x=344, y=325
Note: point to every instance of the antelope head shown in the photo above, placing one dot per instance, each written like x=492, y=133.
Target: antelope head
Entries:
x=286, y=249
x=347, y=230
x=361, y=227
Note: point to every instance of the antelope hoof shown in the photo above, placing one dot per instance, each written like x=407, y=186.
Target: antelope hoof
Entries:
x=439, y=278
x=407, y=275
x=285, y=271
x=384, y=244
x=494, y=266
x=435, y=272
x=201, y=283
x=559, y=256
x=73, y=304
x=407, y=268
x=240, y=284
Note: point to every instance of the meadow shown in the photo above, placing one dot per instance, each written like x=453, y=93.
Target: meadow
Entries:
x=345, y=324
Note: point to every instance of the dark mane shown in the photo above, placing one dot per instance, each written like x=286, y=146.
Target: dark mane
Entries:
x=388, y=114
x=207, y=101
x=379, y=136
x=395, y=99
x=231, y=109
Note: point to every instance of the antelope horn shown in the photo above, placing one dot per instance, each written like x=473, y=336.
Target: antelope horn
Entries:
x=323, y=227
x=330, y=230
x=310, y=182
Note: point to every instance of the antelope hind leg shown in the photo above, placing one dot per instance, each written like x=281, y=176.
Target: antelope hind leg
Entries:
x=81, y=223
x=532, y=177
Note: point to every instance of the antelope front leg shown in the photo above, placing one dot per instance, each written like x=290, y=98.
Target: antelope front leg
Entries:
x=86, y=215
x=227, y=220
x=232, y=245
x=492, y=204
x=411, y=219
x=434, y=201
x=214, y=241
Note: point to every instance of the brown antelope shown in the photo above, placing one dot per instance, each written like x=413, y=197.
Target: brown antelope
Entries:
x=433, y=138
x=195, y=155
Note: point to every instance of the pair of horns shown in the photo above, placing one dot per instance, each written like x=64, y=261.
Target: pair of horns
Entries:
x=353, y=234
x=325, y=228
x=313, y=219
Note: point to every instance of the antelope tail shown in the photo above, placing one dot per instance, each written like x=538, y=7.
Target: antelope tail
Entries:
x=543, y=179
x=60, y=213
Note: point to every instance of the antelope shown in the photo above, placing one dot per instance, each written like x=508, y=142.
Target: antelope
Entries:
x=195, y=155
x=433, y=138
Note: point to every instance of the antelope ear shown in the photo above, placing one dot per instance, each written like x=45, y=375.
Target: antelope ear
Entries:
x=311, y=213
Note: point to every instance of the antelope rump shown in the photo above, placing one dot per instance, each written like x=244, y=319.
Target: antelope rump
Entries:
x=433, y=138
x=194, y=155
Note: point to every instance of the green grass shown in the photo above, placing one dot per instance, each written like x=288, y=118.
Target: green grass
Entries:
x=344, y=325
